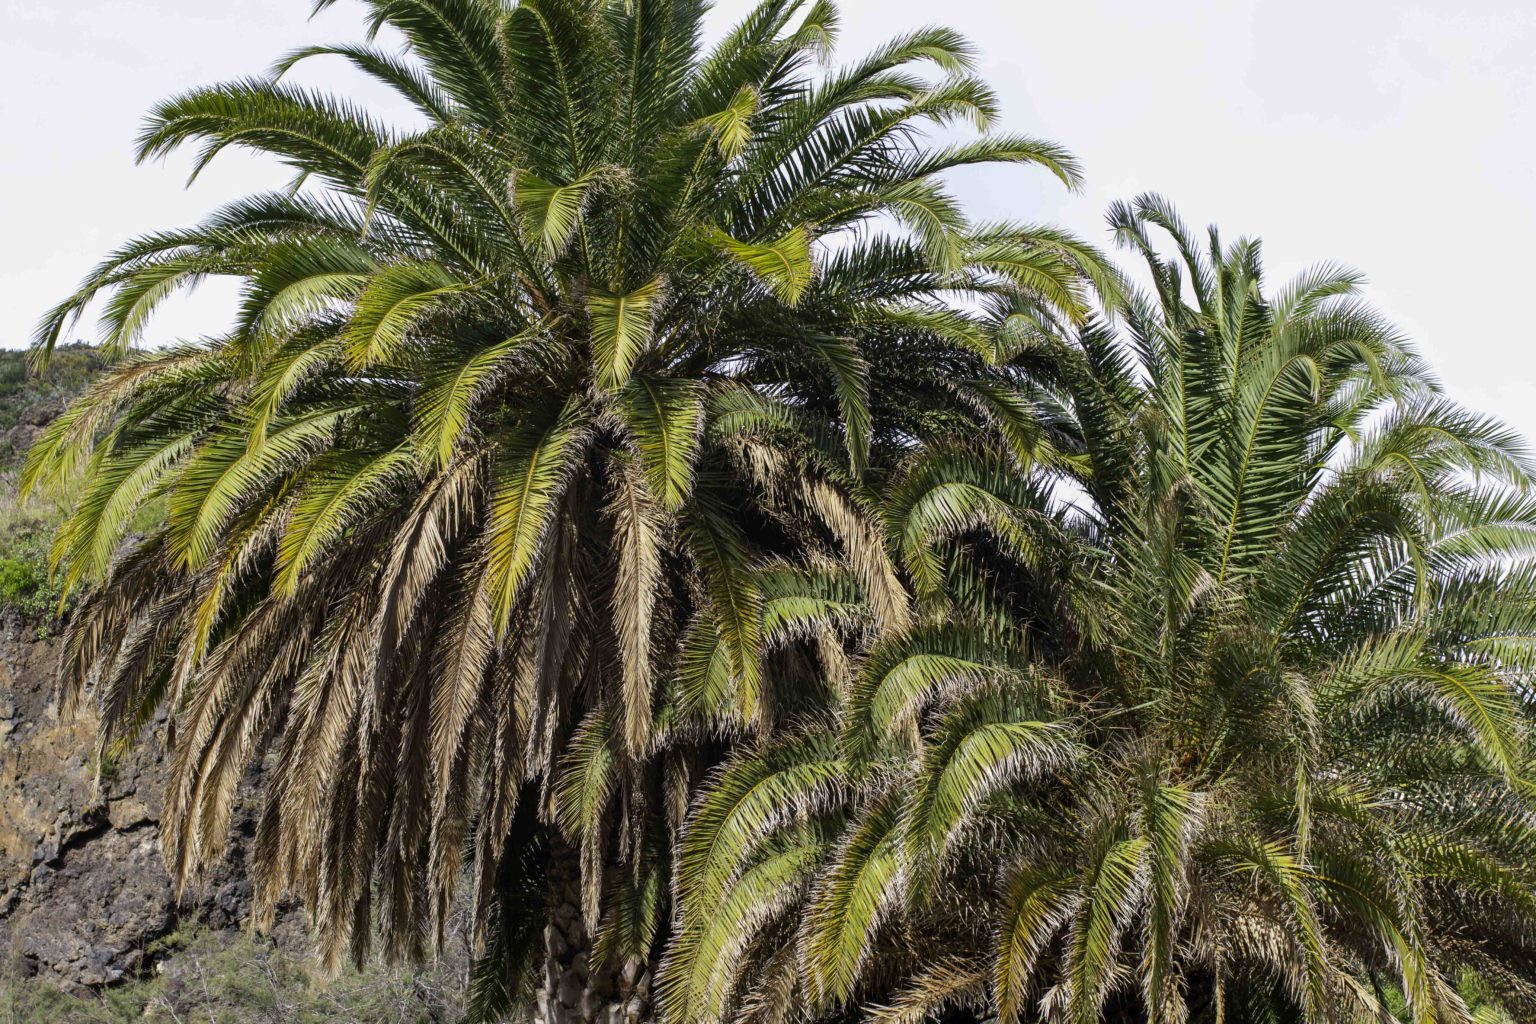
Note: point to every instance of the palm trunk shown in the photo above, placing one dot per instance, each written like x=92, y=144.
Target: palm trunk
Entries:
x=574, y=990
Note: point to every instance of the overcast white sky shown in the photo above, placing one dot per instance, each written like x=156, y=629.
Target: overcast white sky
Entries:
x=1398, y=136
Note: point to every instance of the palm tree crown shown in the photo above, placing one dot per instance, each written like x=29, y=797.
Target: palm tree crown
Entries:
x=544, y=428
x=1234, y=727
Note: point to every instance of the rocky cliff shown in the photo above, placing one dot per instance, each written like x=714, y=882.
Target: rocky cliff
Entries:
x=85, y=899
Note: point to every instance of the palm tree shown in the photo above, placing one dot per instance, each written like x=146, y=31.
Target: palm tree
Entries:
x=540, y=454
x=1223, y=717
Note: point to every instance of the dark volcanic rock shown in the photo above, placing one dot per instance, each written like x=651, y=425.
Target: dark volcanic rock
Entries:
x=84, y=891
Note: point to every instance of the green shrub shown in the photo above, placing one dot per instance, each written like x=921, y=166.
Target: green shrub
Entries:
x=24, y=581
x=21, y=582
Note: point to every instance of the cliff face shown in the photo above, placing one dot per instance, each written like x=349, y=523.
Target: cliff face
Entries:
x=92, y=930
x=85, y=897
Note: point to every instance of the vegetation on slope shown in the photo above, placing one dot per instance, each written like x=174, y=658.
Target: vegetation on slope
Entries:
x=28, y=400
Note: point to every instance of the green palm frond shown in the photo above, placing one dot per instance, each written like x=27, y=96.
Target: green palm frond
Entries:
x=783, y=264
x=550, y=212
x=639, y=540
x=392, y=304
x=622, y=330
x=851, y=898
x=333, y=496
x=531, y=479
x=665, y=418
x=445, y=410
